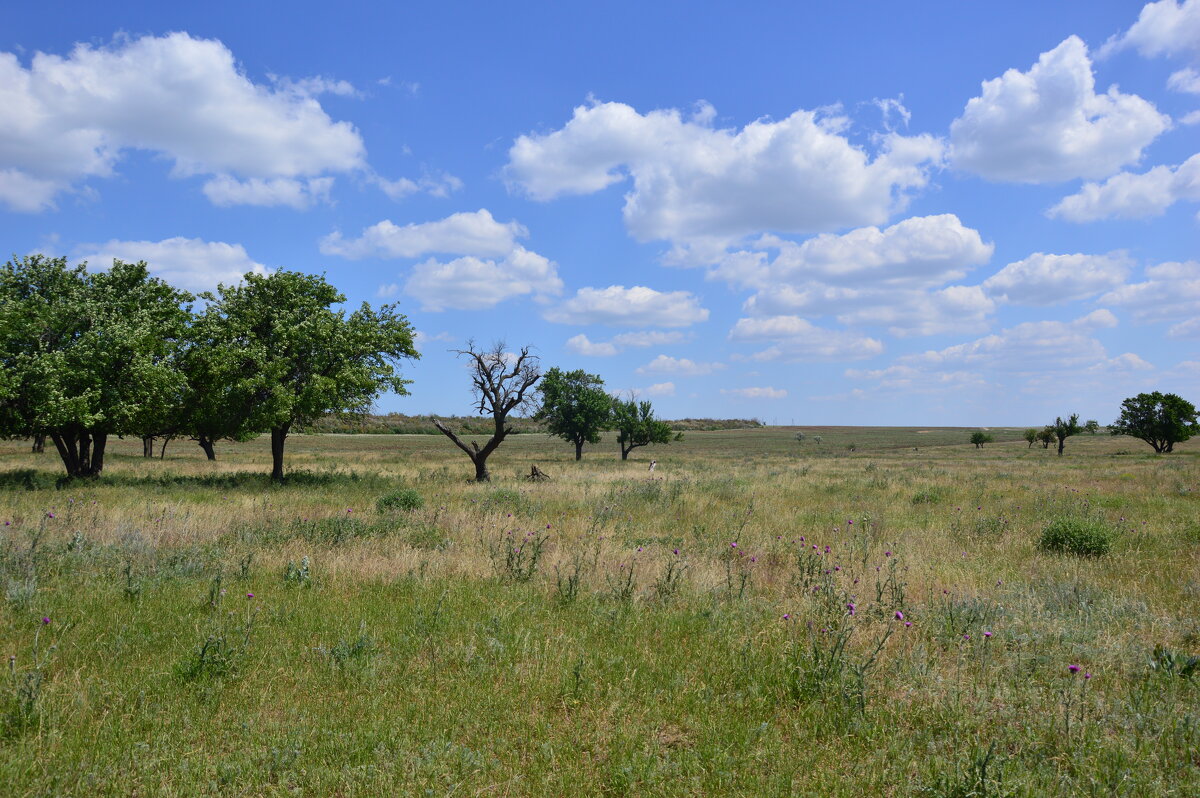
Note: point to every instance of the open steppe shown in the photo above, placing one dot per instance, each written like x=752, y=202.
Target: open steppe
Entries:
x=759, y=616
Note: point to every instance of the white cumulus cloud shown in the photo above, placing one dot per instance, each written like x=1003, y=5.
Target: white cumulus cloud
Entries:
x=1166, y=27
x=1133, y=196
x=1171, y=292
x=188, y=263
x=661, y=389
x=756, y=393
x=225, y=191
x=637, y=306
x=692, y=181
x=1049, y=124
x=475, y=233
x=1042, y=279
x=66, y=119
x=582, y=345
x=798, y=340
x=472, y=283
x=664, y=364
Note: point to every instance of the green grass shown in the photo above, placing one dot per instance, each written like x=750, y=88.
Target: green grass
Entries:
x=211, y=633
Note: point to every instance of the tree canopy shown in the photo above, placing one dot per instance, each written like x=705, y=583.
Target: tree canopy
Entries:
x=575, y=406
x=636, y=425
x=85, y=355
x=282, y=356
x=1161, y=420
x=1065, y=429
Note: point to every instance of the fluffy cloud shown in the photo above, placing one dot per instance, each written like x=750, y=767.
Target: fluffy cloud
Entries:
x=756, y=393
x=919, y=252
x=66, y=119
x=638, y=306
x=1171, y=292
x=796, y=339
x=1185, y=80
x=582, y=345
x=1042, y=279
x=471, y=283
x=1049, y=125
x=693, y=181
x=661, y=389
x=475, y=233
x=1163, y=28
x=683, y=367
x=187, y=263
x=225, y=191
x=1189, y=329
x=1133, y=196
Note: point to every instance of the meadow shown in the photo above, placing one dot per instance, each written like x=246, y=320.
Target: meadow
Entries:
x=870, y=615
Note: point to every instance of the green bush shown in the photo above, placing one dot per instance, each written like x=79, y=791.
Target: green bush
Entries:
x=404, y=499
x=1084, y=537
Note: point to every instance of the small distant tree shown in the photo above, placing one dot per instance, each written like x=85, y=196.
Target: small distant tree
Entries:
x=1046, y=436
x=799, y=437
x=283, y=357
x=817, y=438
x=1161, y=420
x=1092, y=426
x=1065, y=429
x=502, y=384
x=636, y=426
x=1031, y=435
x=980, y=438
x=575, y=406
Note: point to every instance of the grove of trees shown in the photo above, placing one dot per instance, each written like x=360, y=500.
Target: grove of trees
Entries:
x=86, y=355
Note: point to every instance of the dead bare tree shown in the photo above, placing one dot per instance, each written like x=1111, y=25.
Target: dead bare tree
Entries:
x=501, y=382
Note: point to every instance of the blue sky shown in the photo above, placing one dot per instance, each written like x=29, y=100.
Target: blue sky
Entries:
x=867, y=213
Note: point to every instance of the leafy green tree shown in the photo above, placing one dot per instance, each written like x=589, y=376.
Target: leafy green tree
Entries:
x=85, y=355
x=1031, y=436
x=575, y=406
x=502, y=383
x=1092, y=426
x=1065, y=429
x=1161, y=420
x=636, y=425
x=980, y=438
x=280, y=356
x=1046, y=436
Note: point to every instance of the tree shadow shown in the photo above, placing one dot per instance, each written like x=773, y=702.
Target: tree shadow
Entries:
x=30, y=479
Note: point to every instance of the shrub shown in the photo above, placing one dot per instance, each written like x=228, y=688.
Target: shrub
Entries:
x=1084, y=537
x=405, y=499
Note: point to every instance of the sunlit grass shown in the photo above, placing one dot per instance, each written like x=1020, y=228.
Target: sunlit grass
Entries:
x=610, y=631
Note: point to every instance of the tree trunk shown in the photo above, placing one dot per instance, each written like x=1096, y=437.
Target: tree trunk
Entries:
x=147, y=446
x=206, y=444
x=39, y=444
x=100, y=442
x=278, y=437
x=67, y=451
x=578, y=450
x=625, y=452
x=163, y=454
x=1061, y=441
x=481, y=471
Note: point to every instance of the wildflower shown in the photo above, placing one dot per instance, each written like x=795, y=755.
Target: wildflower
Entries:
x=987, y=634
x=802, y=538
x=49, y=515
x=1073, y=669
x=753, y=559
x=249, y=595
x=849, y=521
x=1087, y=675
x=45, y=620
x=908, y=623
x=676, y=551
x=887, y=554
x=850, y=606
x=967, y=638
x=787, y=616
x=349, y=510
x=733, y=545
x=826, y=549
x=899, y=615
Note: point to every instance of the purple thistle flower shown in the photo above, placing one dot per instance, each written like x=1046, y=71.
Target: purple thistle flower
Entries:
x=45, y=620
x=733, y=545
x=987, y=634
x=967, y=638
x=899, y=615
x=249, y=595
x=677, y=551
x=887, y=554
x=1073, y=669
x=908, y=623
x=787, y=616
x=1087, y=675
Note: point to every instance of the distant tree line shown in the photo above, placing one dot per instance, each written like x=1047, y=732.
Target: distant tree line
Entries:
x=1161, y=420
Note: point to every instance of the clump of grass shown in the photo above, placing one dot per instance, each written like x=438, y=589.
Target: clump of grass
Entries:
x=403, y=500
x=1081, y=536
x=927, y=496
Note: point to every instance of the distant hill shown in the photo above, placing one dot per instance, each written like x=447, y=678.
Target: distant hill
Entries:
x=400, y=424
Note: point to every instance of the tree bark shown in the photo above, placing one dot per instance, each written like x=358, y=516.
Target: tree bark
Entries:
x=162, y=455
x=206, y=444
x=481, y=470
x=1061, y=442
x=578, y=450
x=99, y=443
x=39, y=444
x=278, y=437
x=147, y=446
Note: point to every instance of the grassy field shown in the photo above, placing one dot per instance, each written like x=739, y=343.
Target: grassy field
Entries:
x=871, y=615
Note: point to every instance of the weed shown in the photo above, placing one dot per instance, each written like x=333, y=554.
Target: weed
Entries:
x=403, y=500
x=517, y=560
x=298, y=575
x=1168, y=663
x=1078, y=535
